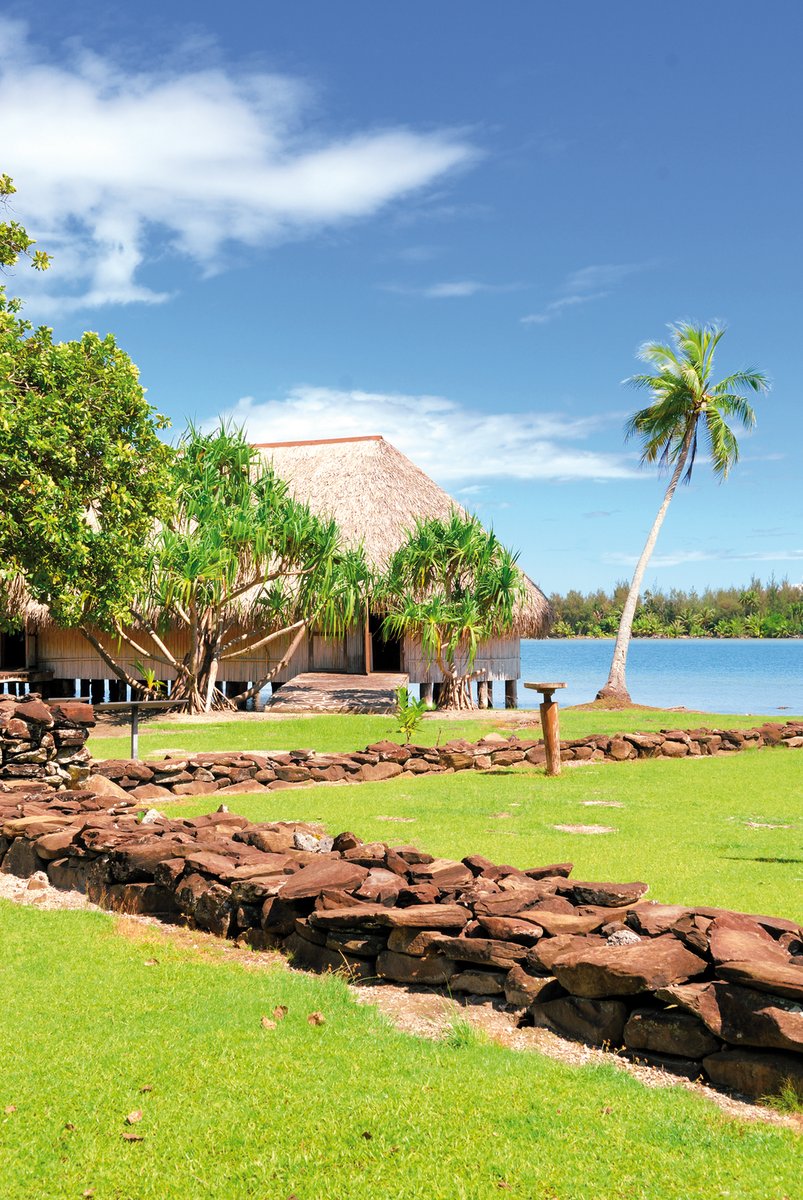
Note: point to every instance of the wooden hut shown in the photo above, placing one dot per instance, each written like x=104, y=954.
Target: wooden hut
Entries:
x=375, y=493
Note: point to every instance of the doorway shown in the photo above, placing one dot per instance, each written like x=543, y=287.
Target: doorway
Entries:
x=386, y=655
x=12, y=652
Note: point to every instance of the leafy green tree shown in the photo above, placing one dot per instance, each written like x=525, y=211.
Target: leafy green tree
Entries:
x=82, y=467
x=684, y=403
x=453, y=585
x=237, y=565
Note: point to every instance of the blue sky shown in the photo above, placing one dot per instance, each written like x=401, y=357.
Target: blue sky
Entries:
x=452, y=224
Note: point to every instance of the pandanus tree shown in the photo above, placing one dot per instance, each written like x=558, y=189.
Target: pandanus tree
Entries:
x=237, y=567
x=452, y=585
x=685, y=405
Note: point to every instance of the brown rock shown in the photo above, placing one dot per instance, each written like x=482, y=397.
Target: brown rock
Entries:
x=313, y=878
x=669, y=1031
x=150, y=791
x=626, y=970
x=478, y=983
x=407, y=968
x=767, y=975
x=652, y=919
x=418, y=916
x=605, y=895
x=380, y=886
x=484, y=951
x=443, y=872
x=544, y=954
x=74, y=711
x=740, y=1015
x=324, y=960
x=376, y=772
x=754, y=1074
x=523, y=989
x=598, y=1022
x=576, y=922
x=738, y=939
x=367, y=854
x=54, y=845
x=412, y=941
x=34, y=710
x=346, y=941
x=563, y=870
x=511, y=929
x=99, y=785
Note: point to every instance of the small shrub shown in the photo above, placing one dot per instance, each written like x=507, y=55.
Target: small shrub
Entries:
x=409, y=713
x=787, y=1100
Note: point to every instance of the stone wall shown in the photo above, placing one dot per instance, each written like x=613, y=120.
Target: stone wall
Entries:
x=228, y=774
x=43, y=742
x=699, y=991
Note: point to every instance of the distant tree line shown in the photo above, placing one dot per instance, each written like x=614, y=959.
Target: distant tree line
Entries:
x=771, y=610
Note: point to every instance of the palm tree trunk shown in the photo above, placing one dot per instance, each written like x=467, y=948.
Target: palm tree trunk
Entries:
x=616, y=687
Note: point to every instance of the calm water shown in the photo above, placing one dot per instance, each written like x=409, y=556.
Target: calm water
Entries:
x=726, y=675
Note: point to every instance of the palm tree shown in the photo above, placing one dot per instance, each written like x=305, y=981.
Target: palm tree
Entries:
x=683, y=402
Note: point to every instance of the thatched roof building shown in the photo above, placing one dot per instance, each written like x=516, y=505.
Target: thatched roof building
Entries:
x=376, y=494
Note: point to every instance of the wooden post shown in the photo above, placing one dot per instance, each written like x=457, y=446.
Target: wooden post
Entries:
x=549, y=724
x=135, y=731
x=490, y=693
x=425, y=692
x=482, y=693
x=511, y=694
x=368, y=646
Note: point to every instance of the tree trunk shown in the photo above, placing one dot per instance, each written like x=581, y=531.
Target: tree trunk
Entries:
x=455, y=693
x=616, y=688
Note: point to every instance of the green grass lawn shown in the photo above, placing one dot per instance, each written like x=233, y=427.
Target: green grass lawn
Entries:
x=341, y=733
x=726, y=831
x=348, y=1109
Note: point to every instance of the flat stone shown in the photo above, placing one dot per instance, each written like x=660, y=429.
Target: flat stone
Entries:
x=313, y=878
x=766, y=975
x=325, y=961
x=484, y=951
x=407, y=968
x=600, y=971
x=741, y=1016
x=522, y=989
x=598, y=1022
x=417, y=916
x=606, y=895
x=754, y=1074
x=669, y=1031
x=653, y=919
x=443, y=872
x=478, y=983
x=511, y=929
x=412, y=941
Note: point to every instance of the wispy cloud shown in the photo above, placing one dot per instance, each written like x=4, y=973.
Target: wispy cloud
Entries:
x=583, y=287
x=679, y=557
x=452, y=289
x=116, y=167
x=449, y=441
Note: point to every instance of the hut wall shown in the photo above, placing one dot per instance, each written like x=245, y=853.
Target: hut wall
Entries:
x=68, y=655
x=498, y=658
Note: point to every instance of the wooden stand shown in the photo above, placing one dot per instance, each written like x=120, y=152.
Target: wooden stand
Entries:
x=549, y=723
x=135, y=706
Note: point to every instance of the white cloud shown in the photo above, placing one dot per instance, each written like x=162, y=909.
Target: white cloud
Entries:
x=450, y=289
x=111, y=163
x=677, y=558
x=581, y=287
x=448, y=441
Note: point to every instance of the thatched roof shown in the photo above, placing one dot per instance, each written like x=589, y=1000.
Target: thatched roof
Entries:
x=375, y=493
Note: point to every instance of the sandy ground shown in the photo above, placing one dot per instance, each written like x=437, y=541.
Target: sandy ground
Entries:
x=421, y=1012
